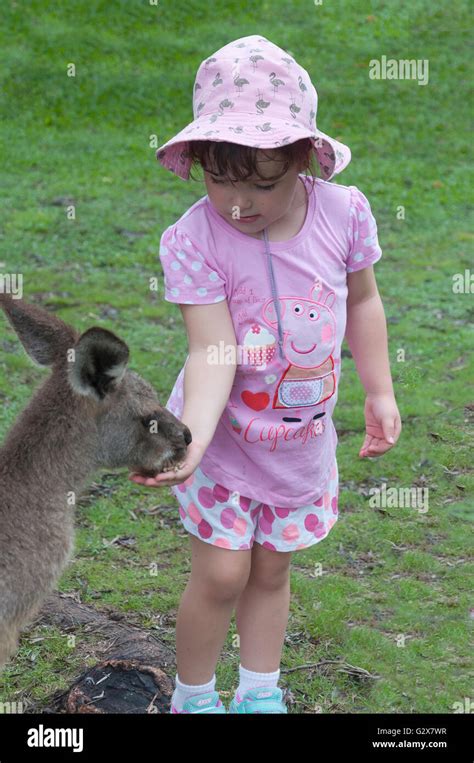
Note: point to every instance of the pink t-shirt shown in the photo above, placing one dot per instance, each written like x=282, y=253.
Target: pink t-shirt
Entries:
x=275, y=441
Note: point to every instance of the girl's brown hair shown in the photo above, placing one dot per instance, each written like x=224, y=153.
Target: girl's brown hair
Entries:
x=240, y=162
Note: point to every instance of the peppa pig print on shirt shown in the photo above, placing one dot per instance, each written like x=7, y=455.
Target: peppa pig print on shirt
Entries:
x=309, y=341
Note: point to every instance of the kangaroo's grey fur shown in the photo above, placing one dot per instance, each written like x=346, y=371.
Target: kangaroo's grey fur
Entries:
x=91, y=412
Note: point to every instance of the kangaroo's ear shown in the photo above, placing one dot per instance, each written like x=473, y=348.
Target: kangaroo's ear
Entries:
x=43, y=335
x=98, y=364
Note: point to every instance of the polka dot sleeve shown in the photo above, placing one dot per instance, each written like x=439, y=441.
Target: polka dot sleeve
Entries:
x=364, y=248
x=188, y=279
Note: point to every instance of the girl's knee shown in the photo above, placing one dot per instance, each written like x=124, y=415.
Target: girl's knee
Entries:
x=270, y=569
x=220, y=573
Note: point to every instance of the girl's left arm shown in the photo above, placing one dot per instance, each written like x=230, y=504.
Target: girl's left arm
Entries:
x=366, y=334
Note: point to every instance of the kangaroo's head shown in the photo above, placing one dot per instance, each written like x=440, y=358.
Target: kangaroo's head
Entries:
x=90, y=376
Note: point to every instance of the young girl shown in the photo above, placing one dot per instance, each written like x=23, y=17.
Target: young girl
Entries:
x=259, y=268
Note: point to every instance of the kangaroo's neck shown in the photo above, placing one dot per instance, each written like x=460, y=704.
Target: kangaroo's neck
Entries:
x=51, y=449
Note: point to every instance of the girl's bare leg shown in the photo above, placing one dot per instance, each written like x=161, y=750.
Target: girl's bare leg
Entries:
x=262, y=610
x=218, y=577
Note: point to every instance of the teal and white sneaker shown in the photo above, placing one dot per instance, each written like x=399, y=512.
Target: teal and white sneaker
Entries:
x=262, y=699
x=201, y=703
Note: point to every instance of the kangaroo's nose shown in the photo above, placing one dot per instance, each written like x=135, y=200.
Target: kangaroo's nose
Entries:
x=173, y=428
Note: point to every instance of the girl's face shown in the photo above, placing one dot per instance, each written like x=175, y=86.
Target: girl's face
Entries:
x=269, y=199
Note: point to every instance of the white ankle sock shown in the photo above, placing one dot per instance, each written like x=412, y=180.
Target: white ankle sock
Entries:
x=250, y=680
x=182, y=691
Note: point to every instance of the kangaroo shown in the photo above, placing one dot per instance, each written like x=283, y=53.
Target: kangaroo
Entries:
x=90, y=413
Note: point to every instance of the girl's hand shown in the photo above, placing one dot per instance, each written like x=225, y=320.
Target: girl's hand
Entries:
x=382, y=425
x=174, y=476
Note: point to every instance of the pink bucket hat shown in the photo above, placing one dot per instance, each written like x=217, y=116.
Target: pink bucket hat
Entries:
x=253, y=93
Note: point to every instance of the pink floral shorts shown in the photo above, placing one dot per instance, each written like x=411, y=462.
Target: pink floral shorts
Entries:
x=227, y=519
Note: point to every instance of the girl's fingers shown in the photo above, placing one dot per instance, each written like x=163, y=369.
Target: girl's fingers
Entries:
x=371, y=448
x=376, y=448
x=167, y=478
x=165, y=481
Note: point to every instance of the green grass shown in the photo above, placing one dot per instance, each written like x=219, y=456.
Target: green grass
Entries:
x=393, y=595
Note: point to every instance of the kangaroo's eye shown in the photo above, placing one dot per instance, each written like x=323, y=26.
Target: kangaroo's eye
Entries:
x=150, y=422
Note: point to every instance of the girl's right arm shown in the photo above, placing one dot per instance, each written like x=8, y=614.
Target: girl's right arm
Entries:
x=207, y=386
